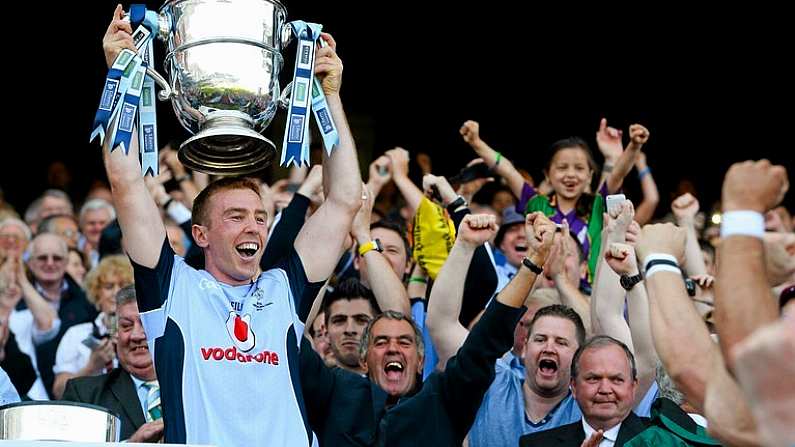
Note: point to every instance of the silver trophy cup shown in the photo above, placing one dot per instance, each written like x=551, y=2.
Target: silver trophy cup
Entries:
x=58, y=421
x=223, y=64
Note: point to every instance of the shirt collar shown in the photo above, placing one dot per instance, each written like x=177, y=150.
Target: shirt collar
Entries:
x=138, y=382
x=64, y=286
x=55, y=304
x=610, y=435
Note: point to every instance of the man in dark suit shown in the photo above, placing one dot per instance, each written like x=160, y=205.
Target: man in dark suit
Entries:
x=129, y=391
x=603, y=381
x=392, y=406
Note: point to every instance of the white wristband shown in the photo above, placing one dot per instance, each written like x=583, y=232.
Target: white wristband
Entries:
x=744, y=223
x=658, y=256
x=649, y=271
x=662, y=268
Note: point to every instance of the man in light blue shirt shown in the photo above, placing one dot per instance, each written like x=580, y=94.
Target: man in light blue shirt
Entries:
x=541, y=399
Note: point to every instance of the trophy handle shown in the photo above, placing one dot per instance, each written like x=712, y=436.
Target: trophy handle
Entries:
x=284, y=97
x=166, y=92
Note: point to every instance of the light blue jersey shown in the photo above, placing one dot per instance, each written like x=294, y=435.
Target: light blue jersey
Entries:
x=226, y=356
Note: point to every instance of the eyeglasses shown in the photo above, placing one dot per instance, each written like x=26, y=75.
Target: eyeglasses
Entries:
x=68, y=233
x=44, y=258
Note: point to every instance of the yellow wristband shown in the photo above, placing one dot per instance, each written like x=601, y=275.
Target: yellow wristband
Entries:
x=375, y=244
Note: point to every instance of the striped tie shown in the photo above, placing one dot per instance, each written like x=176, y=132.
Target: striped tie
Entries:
x=153, y=410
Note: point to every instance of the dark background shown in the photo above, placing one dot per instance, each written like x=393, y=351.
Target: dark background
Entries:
x=714, y=86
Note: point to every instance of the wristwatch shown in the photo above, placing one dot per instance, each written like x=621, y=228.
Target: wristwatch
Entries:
x=374, y=244
x=628, y=282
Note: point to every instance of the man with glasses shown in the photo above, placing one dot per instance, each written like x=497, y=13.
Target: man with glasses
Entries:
x=63, y=225
x=48, y=254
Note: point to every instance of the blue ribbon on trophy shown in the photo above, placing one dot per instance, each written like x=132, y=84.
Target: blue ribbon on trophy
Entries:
x=147, y=126
x=128, y=113
x=111, y=92
x=127, y=81
x=306, y=94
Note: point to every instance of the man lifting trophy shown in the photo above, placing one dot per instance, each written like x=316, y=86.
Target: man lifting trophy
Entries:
x=223, y=63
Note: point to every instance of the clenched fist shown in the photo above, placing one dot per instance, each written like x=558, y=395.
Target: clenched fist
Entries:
x=754, y=185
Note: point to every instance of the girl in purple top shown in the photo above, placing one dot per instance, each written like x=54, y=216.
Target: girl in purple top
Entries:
x=569, y=174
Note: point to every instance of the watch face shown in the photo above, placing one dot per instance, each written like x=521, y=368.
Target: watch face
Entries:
x=627, y=282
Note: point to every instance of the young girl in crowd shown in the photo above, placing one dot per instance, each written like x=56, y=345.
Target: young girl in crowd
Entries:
x=569, y=174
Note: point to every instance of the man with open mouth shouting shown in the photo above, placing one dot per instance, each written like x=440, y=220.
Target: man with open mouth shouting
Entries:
x=225, y=339
x=541, y=399
x=394, y=407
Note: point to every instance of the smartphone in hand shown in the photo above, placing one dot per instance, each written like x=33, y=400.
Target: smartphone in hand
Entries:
x=614, y=201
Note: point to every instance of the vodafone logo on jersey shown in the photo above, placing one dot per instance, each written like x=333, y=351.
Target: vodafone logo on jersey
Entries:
x=233, y=355
x=239, y=329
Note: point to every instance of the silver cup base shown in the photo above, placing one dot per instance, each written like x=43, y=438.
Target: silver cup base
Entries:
x=228, y=149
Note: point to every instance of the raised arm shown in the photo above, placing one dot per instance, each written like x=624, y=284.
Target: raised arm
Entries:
x=558, y=269
x=607, y=300
x=379, y=174
x=742, y=294
x=685, y=208
x=651, y=196
x=761, y=360
x=138, y=215
x=382, y=279
x=680, y=336
x=503, y=167
x=481, y=275
x=399, y=162
x=540, y=232
x=321, y=241
x=44, y=315
x=638, y=136
x=609, y=142
x=292, y=218
x=621, y=259
x=444, y=303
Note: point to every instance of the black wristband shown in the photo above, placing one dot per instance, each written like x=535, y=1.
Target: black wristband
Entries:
x=654, y=262
x=533, y=268
x=182, y=178
x=457, y=203
x=167, y=203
